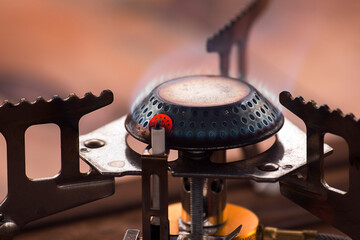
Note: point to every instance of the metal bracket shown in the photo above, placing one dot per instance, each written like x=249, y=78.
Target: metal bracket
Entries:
x=31, y=199
x=115, y=158
x=338, y=208
x=155, y=221
x=287, y=154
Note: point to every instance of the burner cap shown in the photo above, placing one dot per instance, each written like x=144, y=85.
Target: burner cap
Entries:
x=203, y=91
x=207, y=113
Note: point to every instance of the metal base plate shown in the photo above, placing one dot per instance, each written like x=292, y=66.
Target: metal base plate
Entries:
x=115, y=157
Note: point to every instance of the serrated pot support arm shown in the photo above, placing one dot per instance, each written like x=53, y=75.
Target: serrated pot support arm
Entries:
x=334, y=206
x=31, y=199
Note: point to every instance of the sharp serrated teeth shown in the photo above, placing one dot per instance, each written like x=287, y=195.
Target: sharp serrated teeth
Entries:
x=7, y=104
x=324, y=108
x=301, y=99
x=56, y=98
x=313, y=103
x=39, y=100
x=310, y=111
x=88, y=94
x=338, y=111
x=350, y=116
x=232, y=22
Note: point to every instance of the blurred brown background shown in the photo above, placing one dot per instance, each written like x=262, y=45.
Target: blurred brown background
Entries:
x=310, y=48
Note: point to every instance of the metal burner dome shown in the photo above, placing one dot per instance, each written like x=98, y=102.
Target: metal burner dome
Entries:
x=207, y=113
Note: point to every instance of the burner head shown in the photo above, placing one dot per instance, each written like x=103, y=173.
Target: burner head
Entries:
x=207, y=113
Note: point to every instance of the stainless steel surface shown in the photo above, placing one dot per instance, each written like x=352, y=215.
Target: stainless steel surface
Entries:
x=288, y=151
x=241, y=117
x=115, y=158
x=31, y=199
x=340, y=209
x=236, y=32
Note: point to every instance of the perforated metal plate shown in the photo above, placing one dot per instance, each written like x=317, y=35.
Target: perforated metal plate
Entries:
x=208, y=113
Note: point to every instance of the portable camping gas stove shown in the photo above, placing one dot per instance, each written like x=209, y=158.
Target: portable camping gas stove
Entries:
x=200, y=116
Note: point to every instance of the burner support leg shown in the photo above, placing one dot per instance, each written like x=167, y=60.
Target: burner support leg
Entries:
x=155, y=188
x=155, y=213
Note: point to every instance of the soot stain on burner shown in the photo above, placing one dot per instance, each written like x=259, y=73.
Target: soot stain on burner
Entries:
x=204, y=91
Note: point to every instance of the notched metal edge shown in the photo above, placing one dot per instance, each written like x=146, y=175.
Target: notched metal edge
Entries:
x=298, y=103
x=56, y=98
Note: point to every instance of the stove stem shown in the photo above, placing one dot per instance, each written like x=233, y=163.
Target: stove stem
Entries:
x=204, y=199
x=196, y=207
